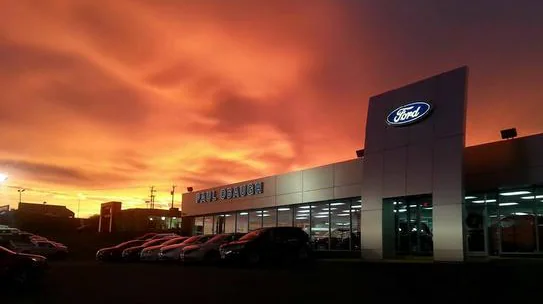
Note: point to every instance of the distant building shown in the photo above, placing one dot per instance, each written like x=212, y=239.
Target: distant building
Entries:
x=45, y=209
x=113, y=219
x=41, y=218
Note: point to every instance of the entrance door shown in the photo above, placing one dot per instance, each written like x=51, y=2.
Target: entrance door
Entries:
x=413, y=226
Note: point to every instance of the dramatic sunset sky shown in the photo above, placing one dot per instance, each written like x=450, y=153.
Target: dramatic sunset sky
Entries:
x=106, y=98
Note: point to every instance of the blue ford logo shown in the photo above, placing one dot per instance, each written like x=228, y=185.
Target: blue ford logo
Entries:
x=409, y=113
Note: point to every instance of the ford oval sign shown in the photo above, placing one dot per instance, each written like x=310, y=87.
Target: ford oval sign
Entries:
x=409, y=113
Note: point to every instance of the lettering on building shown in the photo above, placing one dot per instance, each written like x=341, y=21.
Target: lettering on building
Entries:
x=228, y=193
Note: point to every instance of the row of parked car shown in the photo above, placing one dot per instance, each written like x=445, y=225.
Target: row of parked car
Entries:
x=18, y=266
x=265, y=244
x=25, y=242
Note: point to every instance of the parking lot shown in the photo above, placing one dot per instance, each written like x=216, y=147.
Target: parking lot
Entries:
x=323, y=282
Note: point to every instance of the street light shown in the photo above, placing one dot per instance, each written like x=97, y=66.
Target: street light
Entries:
x=20, y=194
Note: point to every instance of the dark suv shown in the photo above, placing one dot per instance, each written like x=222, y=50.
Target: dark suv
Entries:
x=279, y=244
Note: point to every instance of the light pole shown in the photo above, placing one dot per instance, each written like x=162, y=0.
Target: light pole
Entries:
x=20, y=194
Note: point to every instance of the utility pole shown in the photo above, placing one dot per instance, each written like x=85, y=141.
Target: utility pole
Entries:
x=152, y=197
x=173, y=193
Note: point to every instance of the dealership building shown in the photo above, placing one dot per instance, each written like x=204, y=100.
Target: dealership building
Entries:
x=414, y=190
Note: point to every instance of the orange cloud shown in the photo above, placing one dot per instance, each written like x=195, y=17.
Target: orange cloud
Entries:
x=106, y=98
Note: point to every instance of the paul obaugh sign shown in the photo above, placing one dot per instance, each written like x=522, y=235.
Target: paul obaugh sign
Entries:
x=230, y=192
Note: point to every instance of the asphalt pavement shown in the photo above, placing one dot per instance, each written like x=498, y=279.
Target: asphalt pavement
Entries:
x=323, y=282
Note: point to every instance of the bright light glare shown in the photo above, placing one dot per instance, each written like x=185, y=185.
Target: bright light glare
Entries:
x=515, y=193
x=532, y=197
x=508, y=204
x=483, y=201
x=3, y=177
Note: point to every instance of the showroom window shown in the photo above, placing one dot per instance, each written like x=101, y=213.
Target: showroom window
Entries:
x=198, y=228
x=208, y=224
x=218, y=227
x=331, y=225
x=255, y=220
x=242, y=224
x=269, y=218
x=356, y=208
x=229, y=223
x=284, y=216
x=301, y=217
x=320, y=226
x=507, y=221
x=340, y=228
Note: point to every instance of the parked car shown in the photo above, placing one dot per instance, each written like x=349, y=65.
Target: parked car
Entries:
x=114, y=253
x=50, y=249
x=208, y=251
x=133, y=253
x=289, y=244
x=151, y=253
x=20, y=269
x=172, y=252
x=146, y=236
x=163, y=235
x=44, y=248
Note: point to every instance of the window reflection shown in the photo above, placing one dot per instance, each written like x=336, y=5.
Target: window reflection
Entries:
x=218, y=227
x=320, y=225
x=255, y=220
x=340, y=228
x=332, y=225
x=198, y=225
x=301, y=217
x=229, y=223
x=242, y=225
x=517, y=220
x=506, y=221
x=284, y=216
x=356, y=207
x=269, y=218
x=475, y=223
x=208, y=225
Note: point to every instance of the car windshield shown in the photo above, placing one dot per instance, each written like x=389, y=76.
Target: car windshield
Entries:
x=252, y=235
x=175, y=241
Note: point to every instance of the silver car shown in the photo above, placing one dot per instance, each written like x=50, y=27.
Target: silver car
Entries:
x=171, y=252
x=151, y=253
x=208, y=251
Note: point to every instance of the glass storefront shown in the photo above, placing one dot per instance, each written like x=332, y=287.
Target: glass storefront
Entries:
x=504, y=222
x=331, y=225
x=408, y=226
